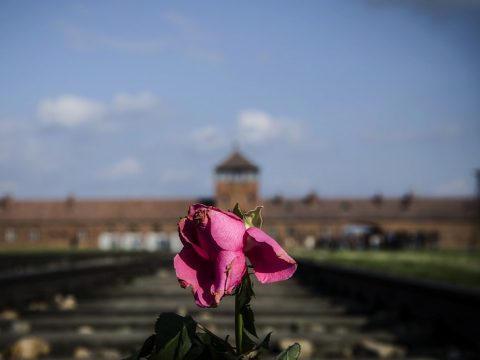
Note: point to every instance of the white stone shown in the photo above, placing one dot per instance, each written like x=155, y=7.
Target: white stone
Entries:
x=29, y=348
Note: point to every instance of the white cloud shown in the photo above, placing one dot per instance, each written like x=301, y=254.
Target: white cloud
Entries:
x=124, y=168
x=208, y=138
x=143, y=101
x=256, y=126
x=72, y=111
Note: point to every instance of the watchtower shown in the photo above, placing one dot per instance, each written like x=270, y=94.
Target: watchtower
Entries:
x=236, y=182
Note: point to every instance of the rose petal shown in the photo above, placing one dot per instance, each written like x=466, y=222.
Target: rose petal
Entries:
x=193, y=270
x=229, y=270
x=270, y=262
x=202, y=232
x=188, y=236
x=227, y=230
x=210, y=247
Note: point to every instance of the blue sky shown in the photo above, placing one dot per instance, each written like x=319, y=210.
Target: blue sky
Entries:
x=138, y=99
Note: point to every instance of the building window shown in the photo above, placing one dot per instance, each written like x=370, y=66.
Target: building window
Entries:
x=82, y=235
x=10, y=235
x=34, y=235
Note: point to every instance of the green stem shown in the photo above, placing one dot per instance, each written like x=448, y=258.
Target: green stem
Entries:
x=238, y=323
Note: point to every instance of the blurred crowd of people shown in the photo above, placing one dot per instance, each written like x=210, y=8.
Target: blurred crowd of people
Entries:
x=378, y=240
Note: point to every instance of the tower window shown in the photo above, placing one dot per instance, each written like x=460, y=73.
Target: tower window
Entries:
x=236, y=177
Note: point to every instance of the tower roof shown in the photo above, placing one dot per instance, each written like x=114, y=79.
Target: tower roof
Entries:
x=236, y=162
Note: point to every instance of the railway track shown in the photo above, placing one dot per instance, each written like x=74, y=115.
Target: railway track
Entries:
x=114, y=319
x=26, y=282
x=427, y=317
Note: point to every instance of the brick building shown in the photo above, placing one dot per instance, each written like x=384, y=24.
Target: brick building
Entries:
x=311, y=221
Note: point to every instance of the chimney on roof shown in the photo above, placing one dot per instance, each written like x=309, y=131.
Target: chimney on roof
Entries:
x=6, y=202
x=377, y=199
x=311, y=198
x=406, y=200
x=70, y=201
x=277, y=199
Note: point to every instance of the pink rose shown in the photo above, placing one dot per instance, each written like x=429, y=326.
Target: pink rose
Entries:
x=212, y=260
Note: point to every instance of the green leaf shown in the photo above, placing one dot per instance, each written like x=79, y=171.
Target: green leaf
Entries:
x=214, y=344
x=201, y=346
x=168, y=351
x=181, y=338
x=174, y=334
x=177, y=348
x=184, y=345
x=291, y=353
x=197, y=353
x=245, y=295
x=146, y=348
x=265, y=344
x=205, y=338
x=248, y=319
x=167, y=326
x=247, y=342
x=191, y=326
x=246, y=291
x=237, y=211
x=256, y=351
x=253, y=218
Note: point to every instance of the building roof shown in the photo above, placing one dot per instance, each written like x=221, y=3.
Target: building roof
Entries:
x=372, y=209
x=237, y=163
x=277, y=208
x=72, y=209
